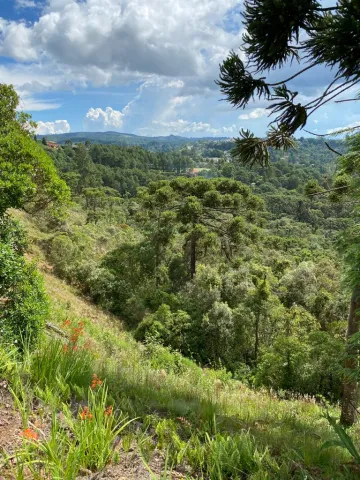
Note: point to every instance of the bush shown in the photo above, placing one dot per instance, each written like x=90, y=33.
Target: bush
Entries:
x=311, y=365
x=24, y=302
x=170, y=329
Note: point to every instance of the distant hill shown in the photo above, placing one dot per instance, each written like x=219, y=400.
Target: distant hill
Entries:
x=308, y=149
x=127, y=139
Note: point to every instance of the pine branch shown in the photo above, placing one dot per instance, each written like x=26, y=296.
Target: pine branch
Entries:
x=293, y=76
x=333, y=150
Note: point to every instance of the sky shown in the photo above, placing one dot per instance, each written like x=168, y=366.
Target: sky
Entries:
x=146, y=67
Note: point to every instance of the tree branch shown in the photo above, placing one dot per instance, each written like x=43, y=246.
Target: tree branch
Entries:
x=326, y=91
x=293, y=76
x=327, y=191
x=330, y=148
x=326, y=9
x=336, y=94
x=348, y=100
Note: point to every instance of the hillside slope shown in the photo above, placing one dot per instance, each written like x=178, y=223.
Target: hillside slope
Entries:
x=197, y=422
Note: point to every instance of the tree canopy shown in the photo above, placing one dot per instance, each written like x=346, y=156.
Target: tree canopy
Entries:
x=279, y=32
x=28, y=179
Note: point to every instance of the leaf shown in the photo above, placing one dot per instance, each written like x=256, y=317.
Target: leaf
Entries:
x=331, y=443
x=237, y=84
x=250, y=150
x=344, y=441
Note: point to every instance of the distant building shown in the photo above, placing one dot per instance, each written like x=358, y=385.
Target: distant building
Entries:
x=194, y=172
x=53, y=145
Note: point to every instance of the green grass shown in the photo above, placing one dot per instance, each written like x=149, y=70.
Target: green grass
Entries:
x=204, y=423
x=217, y=427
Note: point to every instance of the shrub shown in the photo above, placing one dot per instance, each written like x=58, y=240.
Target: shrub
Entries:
x=24, y=301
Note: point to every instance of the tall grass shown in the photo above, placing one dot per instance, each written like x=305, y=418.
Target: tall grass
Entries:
x=202, y=420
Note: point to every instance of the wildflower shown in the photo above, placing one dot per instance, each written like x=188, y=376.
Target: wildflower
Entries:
x=66, y=323
x=81, y=324
x=29, y=434
x=76, y=334
x=86, y=414
x=66, y=348
x=108, y=411
x=184, y=421
x=96, y=382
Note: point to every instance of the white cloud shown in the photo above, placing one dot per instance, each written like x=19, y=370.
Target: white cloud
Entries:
x=151, y=37
x=181, y=127
x=27, y=4
x=255, y=113
x=175, y=84
x=29, y=103
x=49, y=128
x=97, y=119
x=16, y=41
x=168, y=47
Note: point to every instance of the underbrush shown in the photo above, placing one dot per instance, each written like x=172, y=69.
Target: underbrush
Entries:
x=89, y=396
x=202, y=423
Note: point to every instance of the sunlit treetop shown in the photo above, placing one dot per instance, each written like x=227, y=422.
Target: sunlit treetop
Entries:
x=279, y=32
x=28, y=177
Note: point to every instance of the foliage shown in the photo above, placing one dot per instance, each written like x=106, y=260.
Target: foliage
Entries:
x=344, y=440
x=279, y=31
x=200, y=426
x=266, y=277
x=24, y=304
x=28, y=177
x=28, y=181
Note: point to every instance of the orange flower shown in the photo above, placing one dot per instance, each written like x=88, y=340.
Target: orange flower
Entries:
x=184, y=421
x=81, y=324
x=108, y=411
x=29, y=434
x=66, y=323
x=66, y=348
x=96, y=382
x=86, y=414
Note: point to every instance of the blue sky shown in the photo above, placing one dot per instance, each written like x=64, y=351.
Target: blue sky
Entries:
x=139, y=66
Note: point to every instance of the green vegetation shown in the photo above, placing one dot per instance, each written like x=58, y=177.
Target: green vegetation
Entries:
x=217, y=346
x=313, y=35
x=202, y=423
x=28, y=181
x=231, y=275
x=159, y=144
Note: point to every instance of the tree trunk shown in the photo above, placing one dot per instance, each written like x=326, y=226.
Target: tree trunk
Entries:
x=193, y=256
x=350, y=388
x=257, y=340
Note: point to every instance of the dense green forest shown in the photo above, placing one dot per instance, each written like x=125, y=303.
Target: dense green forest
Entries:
x=189, y=308
x=164, y=143
x=228, y=279
x=235, y=268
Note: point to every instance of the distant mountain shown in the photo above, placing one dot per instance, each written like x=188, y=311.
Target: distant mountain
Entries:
x=127, y=139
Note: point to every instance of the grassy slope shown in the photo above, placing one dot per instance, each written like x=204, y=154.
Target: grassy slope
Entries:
x=152, y=384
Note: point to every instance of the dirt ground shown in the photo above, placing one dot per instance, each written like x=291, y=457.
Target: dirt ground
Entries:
x=10, y=421
x=10, y=427
x=131, y=467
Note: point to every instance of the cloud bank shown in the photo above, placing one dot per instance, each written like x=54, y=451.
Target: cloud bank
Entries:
x=50, y=128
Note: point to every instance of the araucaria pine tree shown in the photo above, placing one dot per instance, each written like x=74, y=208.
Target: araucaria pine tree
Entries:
x=280, y=32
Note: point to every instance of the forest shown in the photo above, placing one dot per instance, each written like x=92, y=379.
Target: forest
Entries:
x=234, y=268
x=188, y=308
